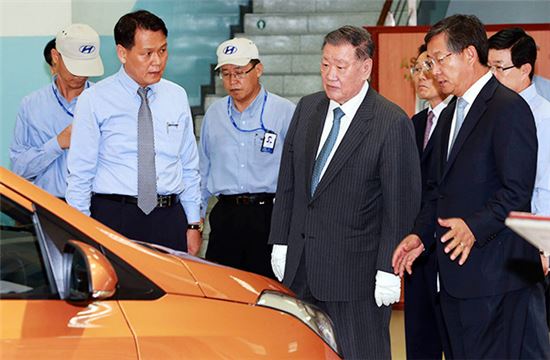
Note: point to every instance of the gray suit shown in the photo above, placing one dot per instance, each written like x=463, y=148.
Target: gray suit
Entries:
x=365, y=203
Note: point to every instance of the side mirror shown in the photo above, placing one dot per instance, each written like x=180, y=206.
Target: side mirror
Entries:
x=88, y=274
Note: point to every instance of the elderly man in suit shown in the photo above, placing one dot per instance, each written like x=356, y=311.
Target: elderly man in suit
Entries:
x=483, y=167
x=348, y=188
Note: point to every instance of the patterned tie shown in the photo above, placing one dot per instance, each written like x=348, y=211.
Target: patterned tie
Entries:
x=460, y=106
x=327, y=148
x=147, y=183
x=429, y=124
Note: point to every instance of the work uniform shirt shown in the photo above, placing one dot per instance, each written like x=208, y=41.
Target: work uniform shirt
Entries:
x=103, y=155
x=35, y=153
x=231, y=160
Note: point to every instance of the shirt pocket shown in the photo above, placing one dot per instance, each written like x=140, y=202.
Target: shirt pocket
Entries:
x=169, y=137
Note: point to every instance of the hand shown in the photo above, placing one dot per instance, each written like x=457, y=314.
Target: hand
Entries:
x=460, y=237
x=278, y=261
x=545, y=264
x=405, y=253
x=64, y=137
x=194, y=241
x=387, y=289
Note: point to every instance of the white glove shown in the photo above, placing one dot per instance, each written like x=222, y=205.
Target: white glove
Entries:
x=278, y=260
x=387, y=289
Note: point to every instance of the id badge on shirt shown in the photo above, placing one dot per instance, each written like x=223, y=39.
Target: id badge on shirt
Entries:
x=268, y=144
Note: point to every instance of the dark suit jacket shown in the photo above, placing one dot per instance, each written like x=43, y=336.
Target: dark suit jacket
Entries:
x=490, y=172
x=419, y=122
x=363, y=206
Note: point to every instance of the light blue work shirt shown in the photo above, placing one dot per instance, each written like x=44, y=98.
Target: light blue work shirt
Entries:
x=543, y=86
x=35, y=153
x=540, y=203
x=103, y=154
x=230, y=159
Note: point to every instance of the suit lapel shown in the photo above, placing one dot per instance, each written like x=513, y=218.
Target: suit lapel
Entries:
x=313, y=138
x=353, y=137
x=474, y=115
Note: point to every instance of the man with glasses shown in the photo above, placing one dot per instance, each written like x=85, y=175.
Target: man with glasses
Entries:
x=422, y=313
x=512, y=57
x=240, y=150
x=483, y=168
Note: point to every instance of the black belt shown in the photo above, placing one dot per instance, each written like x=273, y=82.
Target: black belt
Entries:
x=162, y=200
x=248, y=199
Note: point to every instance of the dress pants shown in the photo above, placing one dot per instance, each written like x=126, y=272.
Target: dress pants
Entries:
x=238, y=236
x=163, y=226
x=506, y=326
x=425, y=335
x=362, y=328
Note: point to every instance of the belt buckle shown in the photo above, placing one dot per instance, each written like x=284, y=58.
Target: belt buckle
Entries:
x=243, y=200
x=163, y=201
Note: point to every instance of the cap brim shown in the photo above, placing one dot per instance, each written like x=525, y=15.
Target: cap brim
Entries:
x=236, y=61
x=93, y=67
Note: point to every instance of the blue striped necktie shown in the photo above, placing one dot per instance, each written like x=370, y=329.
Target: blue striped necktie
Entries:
x=327, y=148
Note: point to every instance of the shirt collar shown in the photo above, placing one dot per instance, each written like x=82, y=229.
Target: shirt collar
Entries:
x=351, y=106
x=474, y=90
x=58, y=93
x=131, y=85
x=439, y=107
x=255, y=105
x=529, y=93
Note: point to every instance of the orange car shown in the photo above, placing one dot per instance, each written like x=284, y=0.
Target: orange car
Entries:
x=71, y=288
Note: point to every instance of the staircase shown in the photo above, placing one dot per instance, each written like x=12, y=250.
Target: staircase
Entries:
x=289, y=35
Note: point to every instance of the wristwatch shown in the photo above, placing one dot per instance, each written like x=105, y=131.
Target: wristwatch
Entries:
x=195, y=227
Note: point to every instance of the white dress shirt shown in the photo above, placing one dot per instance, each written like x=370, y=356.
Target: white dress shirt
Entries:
x=349, y=108
x=470, y=95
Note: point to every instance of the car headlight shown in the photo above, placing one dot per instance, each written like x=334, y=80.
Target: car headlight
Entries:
x=309, y=314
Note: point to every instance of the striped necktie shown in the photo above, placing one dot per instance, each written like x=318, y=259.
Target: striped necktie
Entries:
x=327, y=148
x=429, y=124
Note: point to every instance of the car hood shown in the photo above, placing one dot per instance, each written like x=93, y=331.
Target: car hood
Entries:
x=223, y=282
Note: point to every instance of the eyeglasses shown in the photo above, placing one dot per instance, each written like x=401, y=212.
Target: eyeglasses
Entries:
x=417, y=69
x=239, y=75
x=430, y=63
x=499, y=68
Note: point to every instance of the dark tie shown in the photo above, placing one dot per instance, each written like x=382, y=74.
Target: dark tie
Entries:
x=327, y=148
x=147, y=176
x=460, y=106
x=429, y=124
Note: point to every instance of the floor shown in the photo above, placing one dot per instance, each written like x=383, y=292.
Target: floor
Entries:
x=397, y=334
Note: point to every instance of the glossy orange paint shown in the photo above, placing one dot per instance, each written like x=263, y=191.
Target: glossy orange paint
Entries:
x=55, y=329
x=207, y=310
x=199, y=330
x=103, y=276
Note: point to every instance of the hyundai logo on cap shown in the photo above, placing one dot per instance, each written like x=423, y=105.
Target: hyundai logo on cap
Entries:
x=229, y=50
x=87, y=49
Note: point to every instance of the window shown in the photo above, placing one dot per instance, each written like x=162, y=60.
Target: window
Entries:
x=23, y=273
